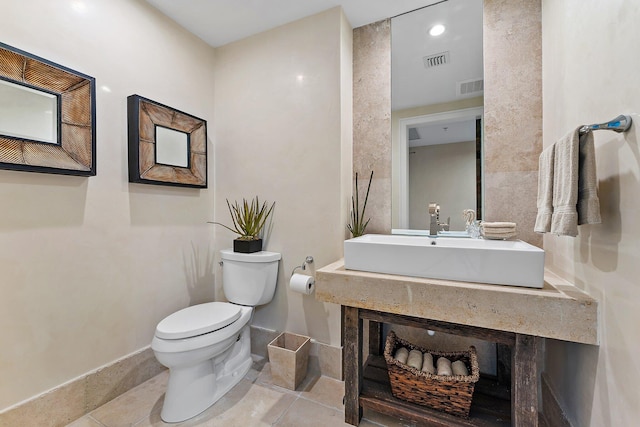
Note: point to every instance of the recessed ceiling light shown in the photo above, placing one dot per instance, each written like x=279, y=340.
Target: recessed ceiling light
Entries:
x=436, y=30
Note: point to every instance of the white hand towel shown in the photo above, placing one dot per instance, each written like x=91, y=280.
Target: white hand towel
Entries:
x=564, y=220
x=588, y=202
x=545, y=190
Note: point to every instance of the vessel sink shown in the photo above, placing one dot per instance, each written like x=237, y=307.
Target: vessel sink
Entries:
x=499, y=262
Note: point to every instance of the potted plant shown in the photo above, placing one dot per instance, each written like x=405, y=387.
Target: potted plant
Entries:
x=249, y=218
x=358, y=225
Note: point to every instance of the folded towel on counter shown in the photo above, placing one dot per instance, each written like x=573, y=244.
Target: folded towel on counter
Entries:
x=564, y=220
x=503, y=234
x=499, y=230
x=498, y=224
x=588, y=202
x=499, y=236
x=545, y=190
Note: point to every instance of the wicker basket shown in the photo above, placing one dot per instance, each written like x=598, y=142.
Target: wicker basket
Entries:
x=447, y=393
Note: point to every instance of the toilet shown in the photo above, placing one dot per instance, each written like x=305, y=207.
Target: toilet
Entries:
x=207, y=347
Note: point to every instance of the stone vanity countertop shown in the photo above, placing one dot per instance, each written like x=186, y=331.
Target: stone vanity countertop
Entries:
x=559, y=310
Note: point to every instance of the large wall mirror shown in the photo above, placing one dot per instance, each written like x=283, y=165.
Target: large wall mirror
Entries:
x=436, y=113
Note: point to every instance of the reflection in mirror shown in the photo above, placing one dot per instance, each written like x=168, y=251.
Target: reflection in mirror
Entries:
x=28, y=113
x=437, y=99
x=172, y=147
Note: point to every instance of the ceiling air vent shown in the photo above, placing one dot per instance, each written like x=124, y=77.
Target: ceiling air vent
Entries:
x=438, y=59
x=470, y=87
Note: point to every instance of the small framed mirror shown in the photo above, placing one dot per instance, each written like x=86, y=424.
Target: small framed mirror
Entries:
x=166, y=146
x=47, y=116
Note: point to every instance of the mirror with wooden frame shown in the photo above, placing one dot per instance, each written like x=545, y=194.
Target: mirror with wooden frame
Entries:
x=166, y=146
x=47, y=116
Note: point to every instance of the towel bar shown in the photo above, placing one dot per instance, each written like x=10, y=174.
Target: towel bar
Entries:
x=622, y=123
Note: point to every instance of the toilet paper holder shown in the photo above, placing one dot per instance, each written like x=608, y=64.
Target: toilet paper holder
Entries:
x=308, y=260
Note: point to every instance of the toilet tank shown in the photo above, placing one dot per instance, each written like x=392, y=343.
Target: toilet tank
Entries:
x=249, y=279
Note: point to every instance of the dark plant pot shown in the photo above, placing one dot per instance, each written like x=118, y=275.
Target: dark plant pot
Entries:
x=247, y=246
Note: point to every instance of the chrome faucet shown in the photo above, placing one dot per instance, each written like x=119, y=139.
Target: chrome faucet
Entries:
x=434, y=223
x=434, y=214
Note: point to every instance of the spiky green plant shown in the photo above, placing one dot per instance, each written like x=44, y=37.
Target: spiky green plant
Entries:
x=358, y=225
x=248, y=218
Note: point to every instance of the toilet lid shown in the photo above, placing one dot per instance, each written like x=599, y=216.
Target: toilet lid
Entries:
x=197, y=320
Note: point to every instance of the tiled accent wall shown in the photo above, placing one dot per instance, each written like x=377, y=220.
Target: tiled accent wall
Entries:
x=513, y=113
x=70, y=401
x=372, y=120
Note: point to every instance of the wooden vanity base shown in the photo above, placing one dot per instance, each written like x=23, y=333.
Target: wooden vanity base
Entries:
x=367, y=384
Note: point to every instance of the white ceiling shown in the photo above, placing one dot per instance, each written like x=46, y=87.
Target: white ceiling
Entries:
x=219, y=22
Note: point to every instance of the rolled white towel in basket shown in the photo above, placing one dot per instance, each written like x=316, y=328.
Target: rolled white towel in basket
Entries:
x=459, y=368
x=415, y=359
x=444, y=366
x=402, y=354
x=427, y=364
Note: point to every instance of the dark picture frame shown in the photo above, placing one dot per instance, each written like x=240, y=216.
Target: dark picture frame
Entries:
x=74, y=151
x=144, y=118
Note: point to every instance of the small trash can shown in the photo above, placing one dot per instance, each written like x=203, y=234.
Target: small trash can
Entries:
x=289, y=358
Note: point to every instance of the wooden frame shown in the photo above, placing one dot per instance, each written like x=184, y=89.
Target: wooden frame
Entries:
x=74, y=151
x=367, y=384
x=144, y=117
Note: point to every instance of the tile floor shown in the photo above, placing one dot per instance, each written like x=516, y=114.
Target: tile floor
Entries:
x=255, y=401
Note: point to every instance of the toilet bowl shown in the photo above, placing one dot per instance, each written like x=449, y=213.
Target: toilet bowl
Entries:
x=207, y=347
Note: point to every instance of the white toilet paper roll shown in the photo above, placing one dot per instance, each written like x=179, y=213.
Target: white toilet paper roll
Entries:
x=302, y=283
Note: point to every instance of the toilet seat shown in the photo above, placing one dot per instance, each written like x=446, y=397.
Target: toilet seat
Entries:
x=198, y=320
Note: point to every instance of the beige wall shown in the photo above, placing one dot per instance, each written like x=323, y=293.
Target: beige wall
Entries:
x=591, y=75
x=288, y=140
x=90, y=265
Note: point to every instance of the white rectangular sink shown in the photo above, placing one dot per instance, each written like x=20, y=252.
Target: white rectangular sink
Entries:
x=499, y=262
